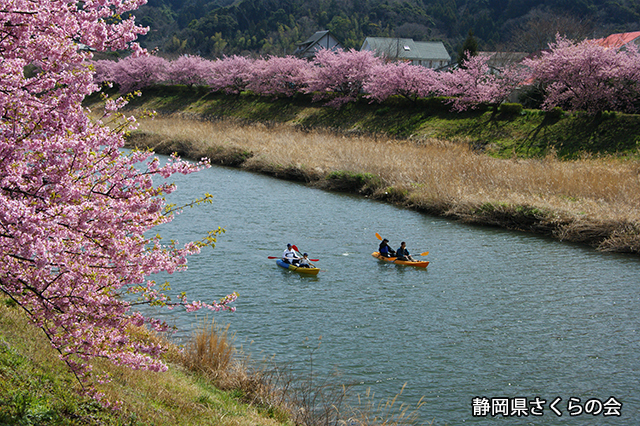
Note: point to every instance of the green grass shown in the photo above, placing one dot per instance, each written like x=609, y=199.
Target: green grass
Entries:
x=505, y=133
x=36, y=387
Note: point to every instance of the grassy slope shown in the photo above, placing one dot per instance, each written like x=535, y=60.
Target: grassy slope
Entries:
x=37, y=389
x=530, y=134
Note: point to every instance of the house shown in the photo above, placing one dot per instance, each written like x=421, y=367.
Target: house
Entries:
x=320, y=40
x=430, y=54
x=620, y=40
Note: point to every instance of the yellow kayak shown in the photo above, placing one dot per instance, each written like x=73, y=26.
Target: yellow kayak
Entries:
x=306, y=271
x=418, y=263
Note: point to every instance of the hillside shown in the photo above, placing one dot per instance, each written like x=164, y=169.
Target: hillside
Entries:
x=212, y=28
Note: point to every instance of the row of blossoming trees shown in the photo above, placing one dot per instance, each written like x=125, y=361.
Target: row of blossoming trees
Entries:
x=75, y=210
x=571, y=75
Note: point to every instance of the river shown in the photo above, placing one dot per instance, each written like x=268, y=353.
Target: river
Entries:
x=504, y=317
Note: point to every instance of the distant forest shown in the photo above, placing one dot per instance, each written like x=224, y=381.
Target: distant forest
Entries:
x=215, y=28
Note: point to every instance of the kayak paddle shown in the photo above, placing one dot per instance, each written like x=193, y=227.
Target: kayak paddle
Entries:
x=300, y=254
x=277, y=257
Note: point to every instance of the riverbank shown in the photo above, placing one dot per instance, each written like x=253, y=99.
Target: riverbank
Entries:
x=210, y=381
x=481, y=167
x=38, y=389
x=505, y=133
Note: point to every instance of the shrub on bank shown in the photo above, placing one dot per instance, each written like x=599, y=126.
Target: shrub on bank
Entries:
x=364, y=183
x=511, y=109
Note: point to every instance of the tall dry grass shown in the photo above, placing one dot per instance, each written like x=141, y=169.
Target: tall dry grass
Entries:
x=591, y=195
x=302, y=399
x=389, y=412
x=210, y=349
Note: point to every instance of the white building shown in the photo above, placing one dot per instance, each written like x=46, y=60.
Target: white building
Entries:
x=430, y=54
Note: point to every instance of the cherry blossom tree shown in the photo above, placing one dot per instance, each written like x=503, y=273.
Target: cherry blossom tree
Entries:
x=137, y=72
x=231, y=74
x=189, y=70
x=574, y=76
x=474, y=84
x=401, y=78
x=103, y=71
x=277, y=76
x=588, y=77
x=340, y=76
x=74, y=210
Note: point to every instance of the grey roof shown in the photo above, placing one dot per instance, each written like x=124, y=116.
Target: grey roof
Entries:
x=315, y=37
x=406, y=48
x=307, y=46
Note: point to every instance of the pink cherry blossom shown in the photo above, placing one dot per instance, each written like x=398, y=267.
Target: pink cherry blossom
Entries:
x=587, y=76
x=230, y=74
x=188, y=69
x=473, y=84
x=277, y=76
x=340, y=76
x=401, y=78
x=137, y=72
x=74, y=209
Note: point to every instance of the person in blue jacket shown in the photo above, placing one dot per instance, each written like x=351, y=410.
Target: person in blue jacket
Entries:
x=403, y=254
x=385, y=250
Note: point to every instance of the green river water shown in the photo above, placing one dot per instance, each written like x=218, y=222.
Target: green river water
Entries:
x=500, y=325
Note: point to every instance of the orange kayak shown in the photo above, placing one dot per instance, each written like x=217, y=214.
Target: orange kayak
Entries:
x=418, y=263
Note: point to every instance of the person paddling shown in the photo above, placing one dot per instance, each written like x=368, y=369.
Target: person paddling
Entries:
x=289, y=256
x=304, y=262
x=403, y=254
x=385, y=250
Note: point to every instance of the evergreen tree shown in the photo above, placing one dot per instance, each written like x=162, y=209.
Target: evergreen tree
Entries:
x=468, y=50
x=496, y=22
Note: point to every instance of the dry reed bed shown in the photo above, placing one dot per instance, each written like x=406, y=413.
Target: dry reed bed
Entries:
x=596, y=201
x=304, y=399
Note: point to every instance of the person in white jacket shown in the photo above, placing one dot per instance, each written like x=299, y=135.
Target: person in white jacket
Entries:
x=304, y=262
x=289, y=255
